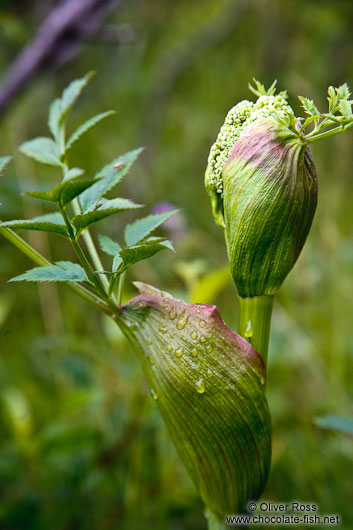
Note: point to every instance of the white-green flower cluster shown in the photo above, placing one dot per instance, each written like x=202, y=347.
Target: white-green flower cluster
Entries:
x=238, y=118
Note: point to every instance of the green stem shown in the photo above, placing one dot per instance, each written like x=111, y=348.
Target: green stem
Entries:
x=40, y=260
x=111, y=285
x=82, y=257
x=90, y=245
x=254, y=322
x=120, y=286
x=310, y=139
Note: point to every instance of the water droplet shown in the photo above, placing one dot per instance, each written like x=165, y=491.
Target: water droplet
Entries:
x=209, y=373
x=194, y=352
x=179, y=352
x=195, y=365
x=194, y=335
x=182, y=322
x=198, y=311
x=149, y=342
x=249, y=331
x=203, y=339
x=172, y=314
x=202, y=323
x=262, y=380
x=153, y=394
x=208, y=348
x=169, y=348
x=150, y=360
x=200, y=386
x=163, y=329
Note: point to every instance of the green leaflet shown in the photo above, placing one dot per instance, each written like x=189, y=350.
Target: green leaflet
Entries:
x=51, y=222
x=43, y=150
x=73, y=173
x=108, y=246
x=62, y=271
x=4, y=160
x=103, y=208
x=141, y=251
x=335, y=423
x=64, y=192
x=141, y=228
x=71, y=93
x=109, y=176
x=209, y=386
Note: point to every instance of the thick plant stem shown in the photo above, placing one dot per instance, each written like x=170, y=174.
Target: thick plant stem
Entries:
x=254, y=322
x=40, y=260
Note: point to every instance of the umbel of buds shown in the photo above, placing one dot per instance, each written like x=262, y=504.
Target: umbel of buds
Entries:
x=263, y=187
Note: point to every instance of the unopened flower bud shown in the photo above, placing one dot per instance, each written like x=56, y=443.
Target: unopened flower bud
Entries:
x=263, y=187
x=209, y=385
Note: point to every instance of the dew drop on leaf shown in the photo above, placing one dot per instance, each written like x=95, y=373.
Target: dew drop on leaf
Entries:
x=249, y=331
x=202, y=323
x=194, y=352
x=182, y=322
x=195, y=366
x=194, y=335
x=172, y=314
x=200, y=386
x=179, y=352
x=153, y=394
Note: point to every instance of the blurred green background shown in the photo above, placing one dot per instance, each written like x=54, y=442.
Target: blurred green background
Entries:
x=82, y=445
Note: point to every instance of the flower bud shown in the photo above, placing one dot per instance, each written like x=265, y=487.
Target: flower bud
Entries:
x=263, y=187
x=209, y=386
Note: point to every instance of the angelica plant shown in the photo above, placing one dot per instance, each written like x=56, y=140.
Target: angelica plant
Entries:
x=207, y=381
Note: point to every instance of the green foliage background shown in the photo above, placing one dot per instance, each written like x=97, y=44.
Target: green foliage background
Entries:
x=82, y=445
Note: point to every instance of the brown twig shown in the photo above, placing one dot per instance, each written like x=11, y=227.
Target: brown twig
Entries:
x=58, y=40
